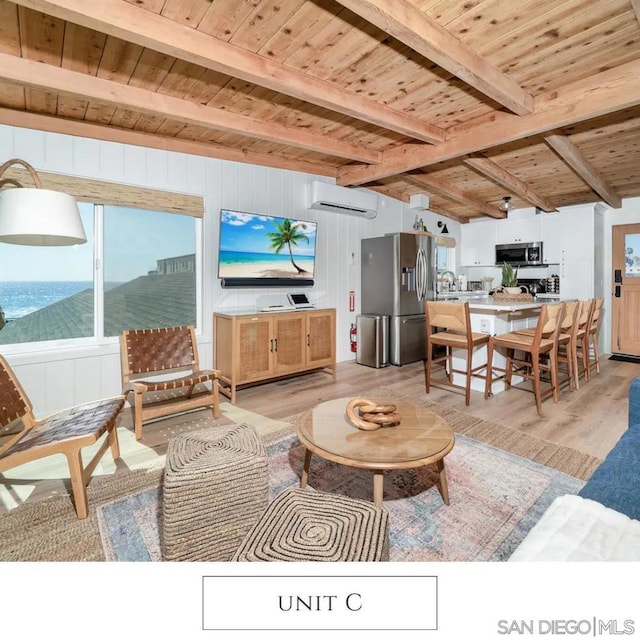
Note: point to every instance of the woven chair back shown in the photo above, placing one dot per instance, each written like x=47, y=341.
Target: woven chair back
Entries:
x=570, y=316
x=596, y=314
x=453, y=316
x=157, y=350
x=14, y=403
x=585, y=313
x=550, y=321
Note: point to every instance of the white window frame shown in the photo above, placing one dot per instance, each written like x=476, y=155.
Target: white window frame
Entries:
x=65, y=348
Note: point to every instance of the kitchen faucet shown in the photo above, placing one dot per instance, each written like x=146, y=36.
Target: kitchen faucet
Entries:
x=448, y=281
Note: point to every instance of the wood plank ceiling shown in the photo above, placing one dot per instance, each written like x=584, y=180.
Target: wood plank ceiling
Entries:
x=467, y=100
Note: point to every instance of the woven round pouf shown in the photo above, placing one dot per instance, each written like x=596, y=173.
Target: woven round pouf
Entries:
x=304, y=525
x=215, y=488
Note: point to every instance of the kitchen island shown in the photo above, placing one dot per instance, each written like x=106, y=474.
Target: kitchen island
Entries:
x=496, y=317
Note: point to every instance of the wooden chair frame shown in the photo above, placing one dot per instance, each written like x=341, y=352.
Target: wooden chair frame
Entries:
x=65, y=432
x=581, y=353
x=150, y=359
x=455, y=319
x=543, y=342
x=593, y=334
x=567, y=340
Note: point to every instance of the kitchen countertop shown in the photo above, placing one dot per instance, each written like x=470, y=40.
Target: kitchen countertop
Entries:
x=454, y=295
x=479, y=301
x=489, y=305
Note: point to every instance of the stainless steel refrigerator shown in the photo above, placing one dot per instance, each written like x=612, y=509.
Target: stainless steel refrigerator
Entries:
x=398, y=273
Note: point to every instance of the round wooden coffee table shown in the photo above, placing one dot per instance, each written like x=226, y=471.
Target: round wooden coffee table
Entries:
x=421, y=438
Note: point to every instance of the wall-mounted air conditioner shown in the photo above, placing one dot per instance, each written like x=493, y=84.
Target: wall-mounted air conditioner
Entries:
x=353, y=202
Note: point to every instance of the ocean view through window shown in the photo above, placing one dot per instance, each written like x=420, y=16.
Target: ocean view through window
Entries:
x=145, y=271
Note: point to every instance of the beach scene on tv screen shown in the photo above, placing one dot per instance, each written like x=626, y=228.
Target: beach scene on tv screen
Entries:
x=254, y=245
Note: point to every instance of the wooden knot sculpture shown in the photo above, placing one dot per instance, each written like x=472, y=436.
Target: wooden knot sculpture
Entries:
x=371, y=416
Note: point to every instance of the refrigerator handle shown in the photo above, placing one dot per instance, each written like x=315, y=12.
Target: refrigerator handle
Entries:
x=425, y=276
x=420, y=274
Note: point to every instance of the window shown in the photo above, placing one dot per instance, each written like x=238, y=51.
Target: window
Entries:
x=47, y=293
x=446, y=259
x=136, y=270
x=632, y=255
x=149, y=269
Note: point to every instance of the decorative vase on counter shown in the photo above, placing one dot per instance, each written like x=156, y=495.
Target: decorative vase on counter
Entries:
x=512, y=290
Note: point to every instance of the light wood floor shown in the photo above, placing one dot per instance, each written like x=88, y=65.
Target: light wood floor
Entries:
x=590, y=419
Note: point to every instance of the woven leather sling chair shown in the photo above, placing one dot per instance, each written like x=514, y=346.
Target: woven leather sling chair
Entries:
x=68, y=432
x=151, y=358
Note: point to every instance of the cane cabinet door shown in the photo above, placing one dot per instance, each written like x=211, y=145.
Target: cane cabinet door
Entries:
x=254, y=347
x=289, y=337
x=321, y=337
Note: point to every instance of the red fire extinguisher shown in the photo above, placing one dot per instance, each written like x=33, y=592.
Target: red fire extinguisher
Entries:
x=353, y=337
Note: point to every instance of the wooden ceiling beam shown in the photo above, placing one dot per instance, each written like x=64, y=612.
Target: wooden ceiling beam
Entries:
x=575, y=160
x=495, y=172
x=451, y=192
x=52, y=78
x=603, y=93
x=126, y=21
x=79, y=128
x=409, y=25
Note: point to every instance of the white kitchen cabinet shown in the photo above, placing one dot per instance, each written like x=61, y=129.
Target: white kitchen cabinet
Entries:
x=569, y=241
x=577, y=279
x=553, y=238
x=523, y=229
x=478, y=244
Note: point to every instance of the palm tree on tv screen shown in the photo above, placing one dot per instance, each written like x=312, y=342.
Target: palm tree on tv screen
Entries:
x=287, y=234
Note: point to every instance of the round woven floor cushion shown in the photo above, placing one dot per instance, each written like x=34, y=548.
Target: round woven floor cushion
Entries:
x=215, y=489
x=307, y=525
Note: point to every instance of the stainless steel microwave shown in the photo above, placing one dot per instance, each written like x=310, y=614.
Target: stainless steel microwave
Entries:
x=521, y=254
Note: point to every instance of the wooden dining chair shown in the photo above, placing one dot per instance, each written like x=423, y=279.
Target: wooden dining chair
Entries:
x=539, y=354
x=67, y=432
x=581, y=347
x=161, y=369
x=593, y=334
x=567, y=341
x=449, y=325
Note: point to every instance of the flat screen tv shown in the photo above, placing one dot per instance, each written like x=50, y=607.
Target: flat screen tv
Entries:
x=257, y=250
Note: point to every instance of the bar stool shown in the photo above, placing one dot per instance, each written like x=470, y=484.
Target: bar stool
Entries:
x=543, y=342
x=581, y=351
x=592, y=337
x=449, y=325
x=567, y=339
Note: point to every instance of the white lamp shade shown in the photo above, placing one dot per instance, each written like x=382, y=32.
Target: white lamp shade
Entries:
x=40, y=217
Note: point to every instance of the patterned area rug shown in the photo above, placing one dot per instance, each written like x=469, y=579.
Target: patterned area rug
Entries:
x=48, y=530
x=496, y=497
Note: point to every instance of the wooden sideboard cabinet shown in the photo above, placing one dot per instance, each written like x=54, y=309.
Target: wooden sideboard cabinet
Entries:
x=258, y=347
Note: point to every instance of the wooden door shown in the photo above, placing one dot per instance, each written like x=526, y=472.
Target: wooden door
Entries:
x=253, y=348
x=625, y=316
x=321, y=338
x=289, y=333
